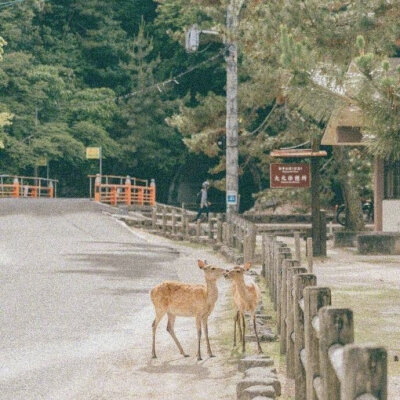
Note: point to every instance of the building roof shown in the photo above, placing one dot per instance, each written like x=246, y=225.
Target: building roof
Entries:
x=344, y=127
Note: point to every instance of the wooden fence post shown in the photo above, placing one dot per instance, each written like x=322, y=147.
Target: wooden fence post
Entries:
x=300, y=282
x=264, y=262
x=183, y=222
x=314, y=299
x=365, y=371
x=336, y=327
x=173, y=221
x=253, y=240
x=225, y=233
x=286, y=265
x=154, y=217
x=297, y=250
x=164, y=219
x=198, y=229
x=241, y=239
x=277, y=246
x=309, y=247
x=211, y=226
x=283, y=254
x=291, y=272
x=219, y=229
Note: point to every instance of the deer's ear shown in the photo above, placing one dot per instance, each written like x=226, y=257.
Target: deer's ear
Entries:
x=247, y=266
x=201, y=264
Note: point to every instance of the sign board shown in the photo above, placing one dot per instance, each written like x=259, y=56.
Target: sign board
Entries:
x=41, y=162
x=289, y=176
x=93, y=152
x=231, y=197
x=2, y=144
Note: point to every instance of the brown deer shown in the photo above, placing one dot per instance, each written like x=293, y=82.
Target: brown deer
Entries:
x=187, y=300
x=246, y=296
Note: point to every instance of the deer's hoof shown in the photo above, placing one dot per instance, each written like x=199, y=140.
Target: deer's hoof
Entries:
x=199, y=358
x=154, y=356
x=185, y=355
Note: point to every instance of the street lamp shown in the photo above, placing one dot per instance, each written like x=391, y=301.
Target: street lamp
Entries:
x=232, y=131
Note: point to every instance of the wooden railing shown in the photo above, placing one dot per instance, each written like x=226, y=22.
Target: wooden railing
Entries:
x=318, y=338
x=27, y=186
x=114, y=190
x=236, y=238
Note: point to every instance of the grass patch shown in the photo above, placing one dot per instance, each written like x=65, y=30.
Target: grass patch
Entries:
x=225, y=336
x=376, y=318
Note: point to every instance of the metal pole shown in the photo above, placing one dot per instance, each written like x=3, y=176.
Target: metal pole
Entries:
x=232, y=137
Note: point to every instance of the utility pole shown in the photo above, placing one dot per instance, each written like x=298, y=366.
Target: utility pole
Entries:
x=232, y=129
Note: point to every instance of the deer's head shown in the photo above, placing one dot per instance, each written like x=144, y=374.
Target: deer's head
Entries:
x=211, y=272
x=237, y=271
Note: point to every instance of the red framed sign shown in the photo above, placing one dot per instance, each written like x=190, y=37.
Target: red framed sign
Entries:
x=289, y=176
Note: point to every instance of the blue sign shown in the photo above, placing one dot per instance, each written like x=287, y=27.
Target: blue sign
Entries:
x=231, y=197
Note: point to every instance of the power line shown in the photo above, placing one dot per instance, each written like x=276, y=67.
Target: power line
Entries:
x=159, y=85
x=173, y=80
x=10, y=3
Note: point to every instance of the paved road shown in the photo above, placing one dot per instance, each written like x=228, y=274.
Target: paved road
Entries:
x=73, y=284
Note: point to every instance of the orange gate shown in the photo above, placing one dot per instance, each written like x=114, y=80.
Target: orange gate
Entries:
x=27, y=186
x=112, y=189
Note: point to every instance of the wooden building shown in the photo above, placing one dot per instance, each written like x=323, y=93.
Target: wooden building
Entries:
x=344, y=128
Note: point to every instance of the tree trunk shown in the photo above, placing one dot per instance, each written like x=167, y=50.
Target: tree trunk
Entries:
x=352, y=201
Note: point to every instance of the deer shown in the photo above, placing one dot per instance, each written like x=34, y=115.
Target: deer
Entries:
x=187, y=300
x=246, y=295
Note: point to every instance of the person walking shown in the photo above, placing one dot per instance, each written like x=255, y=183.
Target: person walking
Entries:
x=203, y=201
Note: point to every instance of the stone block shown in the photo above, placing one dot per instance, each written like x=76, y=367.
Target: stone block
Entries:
x=255, y=361
x=256, y=381
x=378, y=243
x=344, y=239
x=259, y=390
x=270, y=372
x=262, y=398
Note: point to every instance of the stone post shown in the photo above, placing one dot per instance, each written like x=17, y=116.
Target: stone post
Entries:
x=286, y=265
x=365, y=371
x=300, y=282
x=336, y=327
x=290, y=356
x=314, y=299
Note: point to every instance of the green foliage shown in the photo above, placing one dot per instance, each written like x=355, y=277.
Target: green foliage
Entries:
x=64, y=72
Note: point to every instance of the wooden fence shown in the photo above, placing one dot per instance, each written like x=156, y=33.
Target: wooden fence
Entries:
x=235, y=238
x=318, y=338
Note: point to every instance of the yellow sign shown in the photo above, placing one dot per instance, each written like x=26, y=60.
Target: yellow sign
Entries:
x=2, y=144
x=42, y=162
x=93, y=152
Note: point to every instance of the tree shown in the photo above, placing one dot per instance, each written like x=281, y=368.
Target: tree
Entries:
x=150, y=147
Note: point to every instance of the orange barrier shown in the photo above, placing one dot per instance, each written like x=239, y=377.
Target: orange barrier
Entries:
x=105, y=190
x=27, y=186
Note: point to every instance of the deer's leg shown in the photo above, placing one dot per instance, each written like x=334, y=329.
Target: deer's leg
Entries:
x=157, y=319
x=259, y=349
x=205, y=327
x=170, y=330
x=239, y=325
x=235, y=320
x=243, y=333
x=198, y=326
